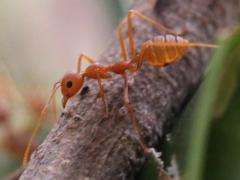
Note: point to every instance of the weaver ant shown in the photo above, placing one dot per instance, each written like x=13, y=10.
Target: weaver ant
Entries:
x=160, y=51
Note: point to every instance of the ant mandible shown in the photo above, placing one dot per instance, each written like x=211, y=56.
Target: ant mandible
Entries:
x=160, y=51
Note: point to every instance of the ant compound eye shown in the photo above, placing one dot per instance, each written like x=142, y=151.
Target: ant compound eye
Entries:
x=69, y=84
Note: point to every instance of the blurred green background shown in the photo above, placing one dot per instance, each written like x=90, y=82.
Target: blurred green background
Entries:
x=205, y=144
x=41, y=40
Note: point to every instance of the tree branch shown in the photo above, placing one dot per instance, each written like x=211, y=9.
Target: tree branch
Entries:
x=84, y=145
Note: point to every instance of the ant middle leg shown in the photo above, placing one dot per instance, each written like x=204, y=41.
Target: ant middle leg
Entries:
x=132, y=114
x=102, y=94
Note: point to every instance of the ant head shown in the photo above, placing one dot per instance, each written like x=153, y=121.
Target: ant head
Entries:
x=71, y=83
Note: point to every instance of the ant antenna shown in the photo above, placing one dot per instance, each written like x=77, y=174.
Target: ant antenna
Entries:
x=54, y=107
x=36, y=128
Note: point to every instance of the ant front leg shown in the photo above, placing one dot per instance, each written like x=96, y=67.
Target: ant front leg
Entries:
x=102, y=94
x=81, y=58
x=132, y=114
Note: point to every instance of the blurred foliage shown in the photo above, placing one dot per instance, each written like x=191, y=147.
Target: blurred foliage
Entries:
x=151, y=168
x=18, y=114
x=207, y=139
x=214, y=136
x=223, y=158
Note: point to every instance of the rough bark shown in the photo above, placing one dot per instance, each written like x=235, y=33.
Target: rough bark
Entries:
x=84, y=145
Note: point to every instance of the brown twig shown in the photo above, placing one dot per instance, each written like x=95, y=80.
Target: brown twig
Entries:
x=83, y=145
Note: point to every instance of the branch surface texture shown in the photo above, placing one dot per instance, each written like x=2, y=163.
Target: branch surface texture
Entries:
x=85, y=145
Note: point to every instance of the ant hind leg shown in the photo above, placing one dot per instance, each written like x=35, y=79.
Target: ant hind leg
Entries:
x=156, y=24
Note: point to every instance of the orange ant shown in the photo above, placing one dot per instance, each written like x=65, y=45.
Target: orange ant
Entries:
x=160, y=51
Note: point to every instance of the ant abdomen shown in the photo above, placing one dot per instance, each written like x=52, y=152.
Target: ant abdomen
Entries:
x=163, y=50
